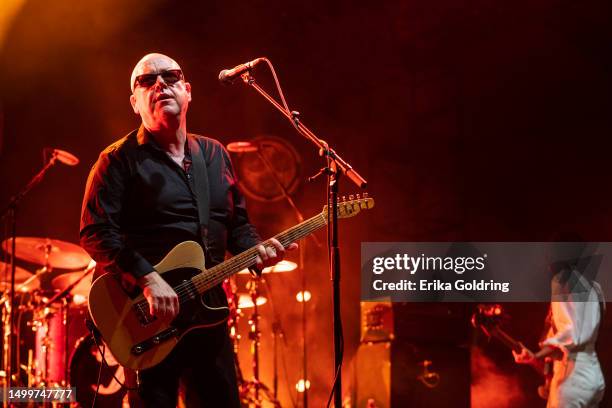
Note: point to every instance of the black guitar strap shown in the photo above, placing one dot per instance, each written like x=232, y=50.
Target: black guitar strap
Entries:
x=200, y=182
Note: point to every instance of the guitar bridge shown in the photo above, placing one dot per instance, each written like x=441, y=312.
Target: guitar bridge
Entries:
x=151, y=342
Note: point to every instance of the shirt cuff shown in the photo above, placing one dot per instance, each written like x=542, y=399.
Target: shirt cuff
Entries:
x=132, y=262
x=554, y=342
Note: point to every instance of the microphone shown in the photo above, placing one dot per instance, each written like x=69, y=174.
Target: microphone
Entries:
x=227, y=76
x=63, y=156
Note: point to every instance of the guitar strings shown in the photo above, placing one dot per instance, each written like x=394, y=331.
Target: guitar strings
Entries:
x=225, y=269
x=217, y=274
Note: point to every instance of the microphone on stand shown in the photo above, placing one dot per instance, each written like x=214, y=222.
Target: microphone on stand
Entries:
x=63, y=156
x=227, y=76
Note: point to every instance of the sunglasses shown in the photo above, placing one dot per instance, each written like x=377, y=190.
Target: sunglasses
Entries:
x=170, y=77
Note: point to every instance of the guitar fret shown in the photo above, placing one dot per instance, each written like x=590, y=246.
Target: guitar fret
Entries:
x=220, y=272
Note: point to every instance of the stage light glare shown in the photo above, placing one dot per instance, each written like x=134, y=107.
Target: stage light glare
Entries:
x=303, y=296
x=300, y=385
x=79, y=299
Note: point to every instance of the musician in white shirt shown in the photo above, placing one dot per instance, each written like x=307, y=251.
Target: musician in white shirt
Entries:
x=576, y=312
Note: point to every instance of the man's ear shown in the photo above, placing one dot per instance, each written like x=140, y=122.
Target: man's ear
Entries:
x=133, y=102
x=188, y=89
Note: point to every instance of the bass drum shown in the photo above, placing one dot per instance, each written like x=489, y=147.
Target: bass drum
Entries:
x=84, y=367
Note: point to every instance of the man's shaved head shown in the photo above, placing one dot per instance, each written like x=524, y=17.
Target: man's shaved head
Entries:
x=152, y=60
x=163, y=102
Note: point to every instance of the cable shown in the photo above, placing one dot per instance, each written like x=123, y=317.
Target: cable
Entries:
x=95, y=334
x=331, y=394
x=331, y=256
x=102, y=362
x=280, y=92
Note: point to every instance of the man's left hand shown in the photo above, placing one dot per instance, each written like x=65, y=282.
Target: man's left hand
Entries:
x=525, y=356
x=269, y=256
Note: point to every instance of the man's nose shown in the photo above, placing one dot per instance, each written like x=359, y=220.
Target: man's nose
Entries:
x=159, y=81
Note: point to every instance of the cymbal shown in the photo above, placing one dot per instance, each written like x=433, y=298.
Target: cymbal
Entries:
x=242, y=147
x=21, y=275
x=64, y=280
x=282, y=266
x=63, y=255
x=245, y=301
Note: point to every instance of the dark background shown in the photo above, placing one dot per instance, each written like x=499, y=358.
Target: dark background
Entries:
x=472, y=120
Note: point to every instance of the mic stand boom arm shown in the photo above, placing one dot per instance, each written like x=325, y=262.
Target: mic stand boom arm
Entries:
x=336, y=166
x=343, y=166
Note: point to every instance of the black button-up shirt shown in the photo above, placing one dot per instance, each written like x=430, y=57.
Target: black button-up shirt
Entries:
x=139, y=204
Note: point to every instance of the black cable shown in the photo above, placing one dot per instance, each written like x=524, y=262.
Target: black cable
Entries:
x=331, y=394
x=339, y=317
x=102, y=362
x=96, y=336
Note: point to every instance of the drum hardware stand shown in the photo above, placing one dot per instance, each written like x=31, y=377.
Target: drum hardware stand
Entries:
x=335, y=167
x=276, y=324
x=11, y=212
x=277, y=332
x=258, y=147
x=235, y=315
x=67, y=290
x=255, y=386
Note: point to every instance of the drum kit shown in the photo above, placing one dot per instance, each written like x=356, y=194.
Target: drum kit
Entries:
x=53, y=347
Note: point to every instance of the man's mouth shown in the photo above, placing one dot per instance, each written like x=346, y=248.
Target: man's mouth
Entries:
x=162, y=97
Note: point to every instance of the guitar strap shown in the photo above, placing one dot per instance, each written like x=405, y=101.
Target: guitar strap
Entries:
x=200, y=182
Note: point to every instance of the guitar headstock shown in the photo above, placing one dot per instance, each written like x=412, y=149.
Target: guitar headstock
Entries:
x=352, y=206
x=487, y=317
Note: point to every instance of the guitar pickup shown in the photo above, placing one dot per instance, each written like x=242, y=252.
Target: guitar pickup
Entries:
x=151, y=342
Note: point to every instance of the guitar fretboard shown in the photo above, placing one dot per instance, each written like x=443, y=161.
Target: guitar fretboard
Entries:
x=224, y=270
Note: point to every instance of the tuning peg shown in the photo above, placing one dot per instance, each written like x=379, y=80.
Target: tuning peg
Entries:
x=365, y=195
x=343, y=198
x=358, y=197
x=351, y=197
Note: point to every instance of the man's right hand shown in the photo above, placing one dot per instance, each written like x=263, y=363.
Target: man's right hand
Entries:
x=163, y=301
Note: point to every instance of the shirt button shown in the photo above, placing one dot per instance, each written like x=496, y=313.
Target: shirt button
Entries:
x=189, y=176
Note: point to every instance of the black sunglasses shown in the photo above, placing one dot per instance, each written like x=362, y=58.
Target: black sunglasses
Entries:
x=170, y=77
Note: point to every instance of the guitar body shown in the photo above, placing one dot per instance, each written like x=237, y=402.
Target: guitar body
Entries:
x=125, y=325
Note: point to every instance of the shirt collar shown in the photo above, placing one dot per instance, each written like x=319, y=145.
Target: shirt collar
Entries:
x=144, y=137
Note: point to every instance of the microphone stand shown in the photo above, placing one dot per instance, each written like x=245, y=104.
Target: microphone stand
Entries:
x=11, y=212
x=336, y=166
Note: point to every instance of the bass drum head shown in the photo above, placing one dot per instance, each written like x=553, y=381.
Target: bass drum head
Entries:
x=84, y=368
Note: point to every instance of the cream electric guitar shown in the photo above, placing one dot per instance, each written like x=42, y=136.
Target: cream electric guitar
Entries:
x=138, y=340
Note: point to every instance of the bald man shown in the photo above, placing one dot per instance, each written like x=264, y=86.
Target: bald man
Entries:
x=152, y=189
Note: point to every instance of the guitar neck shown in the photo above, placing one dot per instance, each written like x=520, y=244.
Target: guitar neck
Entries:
x=224, y=270
x=506, y=339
